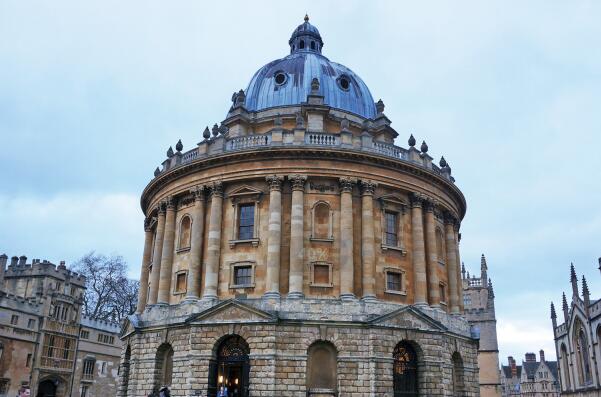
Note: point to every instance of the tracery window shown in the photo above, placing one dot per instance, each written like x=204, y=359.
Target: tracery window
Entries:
x=405, y=371
x=583, y=356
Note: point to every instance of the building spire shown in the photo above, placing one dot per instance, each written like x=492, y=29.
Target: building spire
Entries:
x=573, y=280
x=483, y=269
x=306, y=17
x=553, y=314
x=565, y=307
x=586, y=295
x=463, y=270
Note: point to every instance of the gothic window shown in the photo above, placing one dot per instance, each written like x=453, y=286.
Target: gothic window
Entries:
x=322, y=371
x=242, y=275
x=164, y=365
x=321, y=274
x=181, y=282
x=405, y=371
x=395, y=281
x=458, y=375
x=321, y=229
x=440, y=246
x=185, y=230
x=582, y=351
x=88, y=368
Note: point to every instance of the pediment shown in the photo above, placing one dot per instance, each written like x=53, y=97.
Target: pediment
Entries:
x=231, y=311
x=244, y=190
x=392, y=200
x=408, y=318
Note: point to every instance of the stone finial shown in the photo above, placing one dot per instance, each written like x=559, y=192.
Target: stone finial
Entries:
x=238, y=98
x=170, y=152
x=468, y=275
x=491, y=292
x=424, y=147
x=223, y=129
x=306, y=17
x=380, y=106
x=215, y=130
x=600, y=264
x=411, y=141
x=442, y=162
x=179, y=145
x=300, y=121
x=553, y=314
x=586, y=295
x=463, y=270
x=157, y=171
x=344, y=124
x=573, y=280
x=206, y=134
x=278, y=120
x=315, y=86
x=483, y=265
x=564, y=304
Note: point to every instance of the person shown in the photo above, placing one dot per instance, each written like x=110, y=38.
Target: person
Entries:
x=164, y=392
x=154, y=392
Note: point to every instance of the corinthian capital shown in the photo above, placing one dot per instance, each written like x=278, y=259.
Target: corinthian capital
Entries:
x=274, y=182
x=297, y=181
x=416, y=199
x=346, y=184
x=216, y=189
x=449, y=218
x=198, y=192
x=169, y=203
x=147, y=223
x=368, y=187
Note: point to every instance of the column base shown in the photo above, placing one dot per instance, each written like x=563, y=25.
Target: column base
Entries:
x=347, y=297
x=209, y=298
x=161, y=304
x=296, y=295
x=369, y=299
x=190, y=299
x=271, y=295
x=421, y=304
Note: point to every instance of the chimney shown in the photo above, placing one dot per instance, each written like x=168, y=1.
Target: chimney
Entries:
x=542, y=356
x=3, y=259
x=530, y=357
x=22, y=260
x=514, y=369
x=14, y=260
x=62, y=265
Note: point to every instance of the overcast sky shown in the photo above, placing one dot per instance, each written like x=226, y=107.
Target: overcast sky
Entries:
x=93, y=93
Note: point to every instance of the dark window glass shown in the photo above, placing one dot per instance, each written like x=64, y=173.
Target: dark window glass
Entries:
x=247, y=222
x=312, y=45
x=391, y=229
x=301, y=45
x=405, y=371
x=443, y=293
x=243, y=275
x=393, y=281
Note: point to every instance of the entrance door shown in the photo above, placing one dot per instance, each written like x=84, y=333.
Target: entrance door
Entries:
x=405, y=371
x=47, y=388
x=231, y=369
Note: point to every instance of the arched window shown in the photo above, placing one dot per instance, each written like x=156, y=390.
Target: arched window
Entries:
x=322, y=369
x=322, y=221
x=405, y=370
x=301, y=44
x=440, y=246
x=584, y=364
x=163, y=365
x=458, y=375
x=565, y=369
x=231, y=367
x=185, y=228
x=312, y=45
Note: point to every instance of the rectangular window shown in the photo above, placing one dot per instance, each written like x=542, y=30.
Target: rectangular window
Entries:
x=103, y=368
x=84, y=391
x=180, y=282
x=394, y=281
x=243, y=275
x=14, y=319
x=443, y=293
x=247, y=222
x=4, y=383
x=88, y=369
x=391, y=236
x=28, y=361
x=321, y=274
x=31, y=323
x=50, y=349
x=84, y=334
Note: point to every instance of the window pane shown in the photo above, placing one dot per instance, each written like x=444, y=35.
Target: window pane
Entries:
x=243, y=275
x=393, y=281
x=391, y=229
x=247, y=222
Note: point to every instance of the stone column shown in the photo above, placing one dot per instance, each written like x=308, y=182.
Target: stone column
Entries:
x=346, y=239
x=368, y=253
x=459, y=264
x=196, y=242
x=214, y=242
x=297, y=237
x=432, y=256
x=419, y=250
x=143, y=292
x=167, y=256
x=274, y=237
x=156, y=255
x=454, y=288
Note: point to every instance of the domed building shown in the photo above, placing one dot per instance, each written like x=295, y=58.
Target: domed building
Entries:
x=297, y=251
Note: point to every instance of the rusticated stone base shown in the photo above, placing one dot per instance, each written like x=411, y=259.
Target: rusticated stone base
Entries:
x=279, y=335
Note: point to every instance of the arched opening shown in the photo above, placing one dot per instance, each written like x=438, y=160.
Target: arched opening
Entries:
x=163, y=366
x=322, y=369
x=47, y=388
x=229, y=372
x=125, y=370
x=439, y=246
x=405, y=371
x=185, y=228
x=458, y=375
x=565, y=369
x=312, y=45
x=301, y=44
x=322, y=221
x=582, y=352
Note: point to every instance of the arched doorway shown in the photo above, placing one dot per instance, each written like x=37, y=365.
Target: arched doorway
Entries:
x=405, y=371
x=458, y=377
x=231, y=368
x=322, y=371
x=46, y=388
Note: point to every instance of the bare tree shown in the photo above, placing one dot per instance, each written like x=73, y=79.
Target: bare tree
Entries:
x=110, y=295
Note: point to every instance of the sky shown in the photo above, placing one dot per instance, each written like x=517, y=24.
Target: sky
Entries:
x=93, y=93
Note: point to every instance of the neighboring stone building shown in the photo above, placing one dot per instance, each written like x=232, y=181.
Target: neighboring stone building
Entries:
x=44, y=341
x=479, y=304
x=296, y=251
x=578, y=341
x=532, y=378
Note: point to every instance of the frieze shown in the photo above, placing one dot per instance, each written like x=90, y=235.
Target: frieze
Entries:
x=316, y=187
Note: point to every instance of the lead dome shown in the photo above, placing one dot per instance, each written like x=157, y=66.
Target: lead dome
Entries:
x=287, y=81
